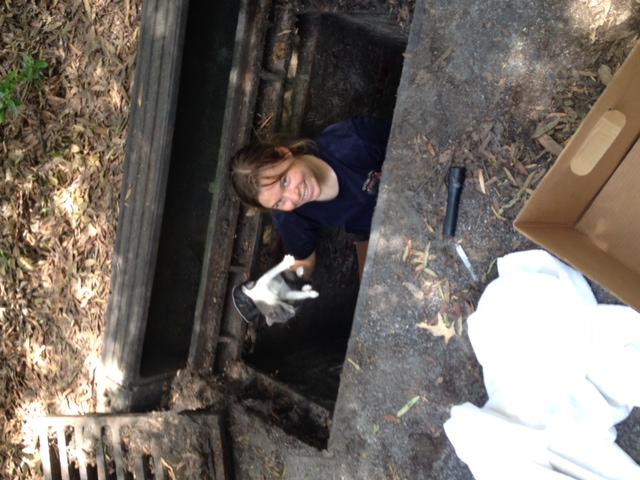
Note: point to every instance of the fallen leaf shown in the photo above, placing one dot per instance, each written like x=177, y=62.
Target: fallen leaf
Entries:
x=445, y=291
x=355, y=365
x=25, y=264
x=440, y=329
x=498, y=216
x=428, y=271
x=511, y=177
x=481, y=182
x=425, y=258
x=407, y=250
x=408, y=406
x=546, y=127
x=550, y=145
x=604, y=74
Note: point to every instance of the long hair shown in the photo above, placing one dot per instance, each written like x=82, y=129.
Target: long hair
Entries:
x=248, y=166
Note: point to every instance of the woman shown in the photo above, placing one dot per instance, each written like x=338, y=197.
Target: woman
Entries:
x=308, y=185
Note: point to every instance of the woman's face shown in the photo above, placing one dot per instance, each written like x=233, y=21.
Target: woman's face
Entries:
x=298, y=184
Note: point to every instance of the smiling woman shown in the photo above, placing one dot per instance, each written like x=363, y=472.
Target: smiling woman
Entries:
x=328, y=183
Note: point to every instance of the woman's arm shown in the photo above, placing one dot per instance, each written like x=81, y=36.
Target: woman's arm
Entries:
x=308, y=264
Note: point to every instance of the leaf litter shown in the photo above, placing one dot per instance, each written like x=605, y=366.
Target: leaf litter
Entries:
x=61, y=159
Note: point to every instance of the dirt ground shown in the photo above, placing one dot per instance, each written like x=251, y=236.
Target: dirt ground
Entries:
x=61, y=165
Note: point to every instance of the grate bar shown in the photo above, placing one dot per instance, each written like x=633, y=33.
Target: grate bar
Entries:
x=116, y=451
x=62, y=452
x=100, y=457
x=78, y=433
x=44, y=450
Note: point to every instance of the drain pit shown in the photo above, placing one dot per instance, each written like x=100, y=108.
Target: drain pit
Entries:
x=347, y=66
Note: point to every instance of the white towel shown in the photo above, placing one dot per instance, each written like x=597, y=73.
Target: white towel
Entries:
x=560, y=371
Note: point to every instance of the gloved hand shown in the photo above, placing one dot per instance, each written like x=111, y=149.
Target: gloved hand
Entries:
x=270, y=296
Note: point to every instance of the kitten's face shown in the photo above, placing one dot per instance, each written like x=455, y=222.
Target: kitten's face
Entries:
x=268, y=301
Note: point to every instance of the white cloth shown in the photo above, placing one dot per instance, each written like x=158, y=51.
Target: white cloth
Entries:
x=560, y=371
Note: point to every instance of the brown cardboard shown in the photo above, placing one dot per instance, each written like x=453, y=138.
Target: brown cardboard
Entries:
x=586, y=210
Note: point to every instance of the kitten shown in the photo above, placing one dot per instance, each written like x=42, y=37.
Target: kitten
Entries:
x=272, y=295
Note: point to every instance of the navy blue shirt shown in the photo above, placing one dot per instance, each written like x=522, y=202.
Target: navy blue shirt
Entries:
x=355, y=150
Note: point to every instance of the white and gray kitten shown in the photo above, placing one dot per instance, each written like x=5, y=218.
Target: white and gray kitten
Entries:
x=272, y=295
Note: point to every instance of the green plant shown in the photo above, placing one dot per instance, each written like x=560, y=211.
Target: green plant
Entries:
x=31, y=70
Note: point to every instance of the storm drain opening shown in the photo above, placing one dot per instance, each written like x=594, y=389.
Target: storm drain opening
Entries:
x=206, y=68
x=341, y=66
x=132, y=447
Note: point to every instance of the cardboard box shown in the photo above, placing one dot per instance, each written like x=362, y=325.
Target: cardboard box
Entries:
x=586, y=210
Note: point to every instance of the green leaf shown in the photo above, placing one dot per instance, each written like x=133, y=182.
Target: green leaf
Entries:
x=31, y=69
x=408, y=406
x=13, y=105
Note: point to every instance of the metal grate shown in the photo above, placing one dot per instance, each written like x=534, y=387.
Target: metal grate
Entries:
x=150, y=446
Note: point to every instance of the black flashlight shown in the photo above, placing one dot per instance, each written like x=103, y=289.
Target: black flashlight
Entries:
x=456, y=180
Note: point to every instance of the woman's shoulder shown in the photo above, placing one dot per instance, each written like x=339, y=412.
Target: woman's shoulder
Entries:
x=367, y=128
x=356, y=141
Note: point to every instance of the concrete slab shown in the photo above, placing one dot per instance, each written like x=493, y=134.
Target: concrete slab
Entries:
x=478, y=78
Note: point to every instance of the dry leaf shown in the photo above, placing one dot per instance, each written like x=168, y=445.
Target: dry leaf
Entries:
x=440, y=329
x=550, y=145
x=481, y=182
x=546, y=127
x=604, y=74
x=355, y=365
x=498, y=216
x=407, y=251
x=430, y=272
